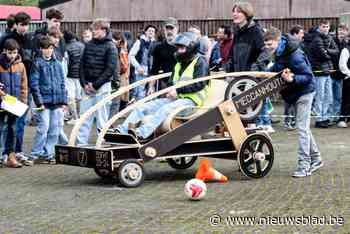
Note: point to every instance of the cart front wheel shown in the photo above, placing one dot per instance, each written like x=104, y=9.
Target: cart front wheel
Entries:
x=256, y=155
x=131, y=173
x=181, y=163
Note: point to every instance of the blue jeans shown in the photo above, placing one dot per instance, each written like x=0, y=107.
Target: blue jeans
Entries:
x=18, y=134
x=115, y=107
x=307, y=151
x=47, y=133
x=62, y=138
x=264, y=116
x=20, y=125
x=139, y=92
x=101, y=115
x=337, y=86
x=289, y=112
x=158, y=109
x=7, y=133
x=324, y=97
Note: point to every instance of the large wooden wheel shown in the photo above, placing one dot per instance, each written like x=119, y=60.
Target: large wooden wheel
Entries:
x=236, y=87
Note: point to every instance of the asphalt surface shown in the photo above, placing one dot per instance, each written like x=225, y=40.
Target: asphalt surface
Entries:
x=65, y=199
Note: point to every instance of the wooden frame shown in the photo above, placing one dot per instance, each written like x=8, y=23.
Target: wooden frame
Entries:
x=125, y=89
x=164, y=91
x=121, y=150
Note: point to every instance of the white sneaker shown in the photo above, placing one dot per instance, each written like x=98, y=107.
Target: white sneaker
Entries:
x=72, y=122
x=269, y=129
x=342, y=124
x=21, y=157
x=4, y=159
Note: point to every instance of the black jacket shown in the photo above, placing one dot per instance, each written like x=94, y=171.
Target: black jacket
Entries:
x=163, y=60
x=99, y=62
x=75, y=51
x=247, y=45
x=26, y=46
x=338, y=75
x=44, y=31
x=322, y=52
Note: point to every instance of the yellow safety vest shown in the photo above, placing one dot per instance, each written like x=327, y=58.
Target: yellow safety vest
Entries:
x=197, y=97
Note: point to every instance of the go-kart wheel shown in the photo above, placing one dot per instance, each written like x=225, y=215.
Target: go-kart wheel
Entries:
x=181, y=163
x=255, y=157
x=236, y=87
x=104, y=173
x=131, y=173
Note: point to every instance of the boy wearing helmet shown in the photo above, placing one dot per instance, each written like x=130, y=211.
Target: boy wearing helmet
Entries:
x=190, y=65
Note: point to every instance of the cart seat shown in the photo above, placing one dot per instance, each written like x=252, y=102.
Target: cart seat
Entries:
x=215, y=97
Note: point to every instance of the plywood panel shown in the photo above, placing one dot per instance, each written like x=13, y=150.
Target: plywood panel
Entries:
x=146, y=10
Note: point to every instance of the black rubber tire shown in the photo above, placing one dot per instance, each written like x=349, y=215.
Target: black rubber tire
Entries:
x=123, y=173
x=246, y=159
x=183, y=165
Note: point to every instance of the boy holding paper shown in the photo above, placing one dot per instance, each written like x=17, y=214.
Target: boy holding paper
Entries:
x=13, y=80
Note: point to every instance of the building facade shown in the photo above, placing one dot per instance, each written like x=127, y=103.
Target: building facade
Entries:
x=141, y=10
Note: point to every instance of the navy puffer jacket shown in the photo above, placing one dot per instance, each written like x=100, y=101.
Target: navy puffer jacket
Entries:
x=289, y=55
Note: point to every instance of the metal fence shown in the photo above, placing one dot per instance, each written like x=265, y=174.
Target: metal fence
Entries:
x=208, y=26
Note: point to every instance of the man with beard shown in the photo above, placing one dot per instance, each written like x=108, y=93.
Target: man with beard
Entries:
x=163, y=54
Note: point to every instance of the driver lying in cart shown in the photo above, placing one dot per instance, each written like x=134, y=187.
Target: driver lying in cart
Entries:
x=190, y=65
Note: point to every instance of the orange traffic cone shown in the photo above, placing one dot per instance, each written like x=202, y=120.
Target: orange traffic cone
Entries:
x=207, y=173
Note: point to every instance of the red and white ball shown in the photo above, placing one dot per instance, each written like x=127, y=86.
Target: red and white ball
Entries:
x=195, y=189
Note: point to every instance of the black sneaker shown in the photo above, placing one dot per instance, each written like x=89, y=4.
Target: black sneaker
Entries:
x=51, y=161
x=132, y=132
x=321, y=124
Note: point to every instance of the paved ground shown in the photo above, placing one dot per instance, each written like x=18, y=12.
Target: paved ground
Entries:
x=63, y=199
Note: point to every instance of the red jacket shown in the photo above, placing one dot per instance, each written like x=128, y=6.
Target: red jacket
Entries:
x=225, y=47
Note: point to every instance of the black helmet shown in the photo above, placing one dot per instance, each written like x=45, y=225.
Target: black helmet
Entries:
x=191, y=42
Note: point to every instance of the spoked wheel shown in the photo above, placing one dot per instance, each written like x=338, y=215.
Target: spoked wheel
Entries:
x=181, y=163
x=236, y=87
x=104, y=173
x=256, y=156
x=131, y=173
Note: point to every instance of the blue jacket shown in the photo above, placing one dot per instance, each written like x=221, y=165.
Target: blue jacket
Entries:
x=215, y=57
x=289, y=55
x=13, y=77
x=47, y=82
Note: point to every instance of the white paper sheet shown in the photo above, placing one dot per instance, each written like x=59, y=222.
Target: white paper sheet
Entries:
x=13, y=105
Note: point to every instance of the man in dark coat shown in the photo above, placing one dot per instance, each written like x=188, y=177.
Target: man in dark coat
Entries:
x=322, y=51
x=75, y=51
x=163, y=54
x=53, y=20
x=97, y=69
x=247, y=40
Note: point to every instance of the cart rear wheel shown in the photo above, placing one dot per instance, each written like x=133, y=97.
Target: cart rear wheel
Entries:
x=256, y=155
x=236, y=87
x=131, y=173
x=181, y=163
x=104, y=173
